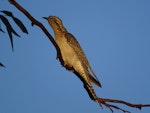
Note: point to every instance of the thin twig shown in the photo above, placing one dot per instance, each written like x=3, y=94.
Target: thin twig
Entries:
x=39, y=24
x=110, y=106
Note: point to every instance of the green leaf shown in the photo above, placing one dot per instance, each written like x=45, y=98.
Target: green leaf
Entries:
x=17, y=21
x=1, y=65
x=10, y=30
x=20, y=24
x=2, y=30
x=8, y=13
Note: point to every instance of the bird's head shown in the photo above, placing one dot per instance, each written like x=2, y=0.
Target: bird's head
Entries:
x=55, y=23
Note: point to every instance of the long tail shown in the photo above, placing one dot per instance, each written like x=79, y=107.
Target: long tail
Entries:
x=89, y=89
x=92, y=94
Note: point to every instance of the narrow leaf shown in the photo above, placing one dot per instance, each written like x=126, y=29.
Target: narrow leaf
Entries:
x=2, y=30
x=10, y=30
x=17, y=21
x=8, y=13
x=20, y=24
x=11, y=39
x=1, y=65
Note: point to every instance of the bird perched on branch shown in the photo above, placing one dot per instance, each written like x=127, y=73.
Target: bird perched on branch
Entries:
x=73, y=56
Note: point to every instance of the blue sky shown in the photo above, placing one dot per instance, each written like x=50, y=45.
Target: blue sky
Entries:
x=115, y=36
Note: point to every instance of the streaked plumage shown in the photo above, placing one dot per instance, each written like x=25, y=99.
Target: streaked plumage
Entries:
x=73, y=56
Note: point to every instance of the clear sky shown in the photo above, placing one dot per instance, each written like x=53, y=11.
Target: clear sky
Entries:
x=115, y=35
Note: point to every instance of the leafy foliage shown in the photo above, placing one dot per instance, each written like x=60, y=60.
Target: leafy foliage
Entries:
x=17, y=21
x=8, y=26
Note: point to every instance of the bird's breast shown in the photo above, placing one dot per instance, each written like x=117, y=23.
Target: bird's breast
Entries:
x=71, y=58
x=68, y=54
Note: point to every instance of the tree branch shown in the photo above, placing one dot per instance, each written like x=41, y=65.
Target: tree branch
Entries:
x=103, y=101
x=39, y=24
x=110, y=106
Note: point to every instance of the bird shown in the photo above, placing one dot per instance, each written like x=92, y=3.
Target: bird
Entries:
x=73, y=56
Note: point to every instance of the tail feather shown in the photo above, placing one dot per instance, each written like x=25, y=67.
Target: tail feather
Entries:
x=92, y=94
x=90, y=91
x=88, y=87
x=94, y=81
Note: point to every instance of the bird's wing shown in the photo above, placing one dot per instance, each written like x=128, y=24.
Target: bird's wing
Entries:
x=77, y=48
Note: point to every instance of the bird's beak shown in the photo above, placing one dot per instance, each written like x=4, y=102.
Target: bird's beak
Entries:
x=45, y=18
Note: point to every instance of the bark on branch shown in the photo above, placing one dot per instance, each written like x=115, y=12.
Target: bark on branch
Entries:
x=39, y=24
x=103, y=101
